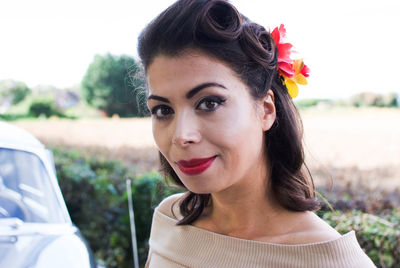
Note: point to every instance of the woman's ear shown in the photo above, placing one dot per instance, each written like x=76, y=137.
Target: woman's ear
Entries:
x=268, y=110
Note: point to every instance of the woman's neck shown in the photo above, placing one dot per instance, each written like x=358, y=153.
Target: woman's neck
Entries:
x=245, y=210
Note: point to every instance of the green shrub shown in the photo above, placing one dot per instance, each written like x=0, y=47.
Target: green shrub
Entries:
x=44, y=107
x=148, y=191
x=378, y=236
x=93, y=190
x=95, y=193
x=14, y=117
x=367, y=99
x=15, y=90
x=391, y=100
x=307, y=103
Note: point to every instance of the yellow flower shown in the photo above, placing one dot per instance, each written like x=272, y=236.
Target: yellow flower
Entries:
x=298, y=78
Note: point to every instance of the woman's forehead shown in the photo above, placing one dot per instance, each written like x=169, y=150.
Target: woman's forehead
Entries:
x=186, y=71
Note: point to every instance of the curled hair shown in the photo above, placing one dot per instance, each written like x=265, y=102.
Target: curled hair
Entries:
x=217, y=29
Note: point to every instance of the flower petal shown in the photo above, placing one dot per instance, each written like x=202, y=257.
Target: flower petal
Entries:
x=305, y=71
x=276, y=35
x=282, y=31
x=300, y=79
x=297, y=65
x=284, y=51
x=292, y=87
x=286, y=69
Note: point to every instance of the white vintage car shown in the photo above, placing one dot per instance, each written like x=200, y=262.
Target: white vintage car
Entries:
x=35, y=227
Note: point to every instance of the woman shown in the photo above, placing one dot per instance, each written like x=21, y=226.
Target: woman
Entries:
x=228, y=131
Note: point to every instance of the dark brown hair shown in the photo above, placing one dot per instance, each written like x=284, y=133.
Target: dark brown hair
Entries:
x=217, y=29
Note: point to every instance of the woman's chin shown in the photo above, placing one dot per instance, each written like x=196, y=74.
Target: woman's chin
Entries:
x=204, y=189
x=199, y=189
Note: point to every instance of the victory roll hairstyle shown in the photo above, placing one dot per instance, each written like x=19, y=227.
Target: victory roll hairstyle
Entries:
x=216, y=28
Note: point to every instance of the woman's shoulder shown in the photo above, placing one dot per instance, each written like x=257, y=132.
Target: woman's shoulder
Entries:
x=170, y=205
x=312, y=229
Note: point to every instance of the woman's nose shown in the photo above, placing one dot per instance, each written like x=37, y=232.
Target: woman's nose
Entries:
x=186, y=130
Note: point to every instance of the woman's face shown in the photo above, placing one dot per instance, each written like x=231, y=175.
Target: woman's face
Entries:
x=202, y=112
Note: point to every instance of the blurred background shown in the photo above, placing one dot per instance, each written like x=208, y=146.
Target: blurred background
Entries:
x=70, y=75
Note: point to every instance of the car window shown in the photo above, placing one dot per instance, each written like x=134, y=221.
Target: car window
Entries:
x=26, y=191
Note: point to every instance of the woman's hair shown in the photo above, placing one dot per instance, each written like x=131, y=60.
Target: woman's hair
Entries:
x=216, y=28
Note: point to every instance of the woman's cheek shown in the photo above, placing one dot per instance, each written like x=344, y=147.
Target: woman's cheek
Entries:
x=236, y=123
x=227, y=128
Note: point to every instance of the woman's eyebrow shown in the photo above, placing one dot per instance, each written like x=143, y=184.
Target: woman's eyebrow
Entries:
x=190, y=94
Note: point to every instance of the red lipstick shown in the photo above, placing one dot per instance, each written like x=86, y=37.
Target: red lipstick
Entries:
x=195, y=166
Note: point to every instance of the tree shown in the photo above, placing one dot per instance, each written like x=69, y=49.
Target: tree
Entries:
x=115, y=85
x=15, y=90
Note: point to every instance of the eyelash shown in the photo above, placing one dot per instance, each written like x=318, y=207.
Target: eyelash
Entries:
x=213, y=99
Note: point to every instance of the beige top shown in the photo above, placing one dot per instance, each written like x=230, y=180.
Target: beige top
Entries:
x=189, y=246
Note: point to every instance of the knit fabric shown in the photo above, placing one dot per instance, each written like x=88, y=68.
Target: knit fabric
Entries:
x=189, y=246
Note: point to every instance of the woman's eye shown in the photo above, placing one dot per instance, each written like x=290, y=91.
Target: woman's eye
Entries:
x=161, y=111
x=210, y=103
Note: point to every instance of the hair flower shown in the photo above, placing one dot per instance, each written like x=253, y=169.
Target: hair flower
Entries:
x=292, y=72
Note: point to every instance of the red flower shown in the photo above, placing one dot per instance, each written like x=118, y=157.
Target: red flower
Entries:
x=286, y=69
x=284, y=50
x=305, y=71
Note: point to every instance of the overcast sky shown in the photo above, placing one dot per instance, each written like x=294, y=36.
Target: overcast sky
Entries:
x=349, y=45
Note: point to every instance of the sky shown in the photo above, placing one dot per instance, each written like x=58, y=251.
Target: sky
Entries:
x=351, y=46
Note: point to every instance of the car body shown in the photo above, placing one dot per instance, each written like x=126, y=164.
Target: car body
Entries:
x=35, y=227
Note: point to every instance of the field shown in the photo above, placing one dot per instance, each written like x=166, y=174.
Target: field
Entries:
x=350, y=149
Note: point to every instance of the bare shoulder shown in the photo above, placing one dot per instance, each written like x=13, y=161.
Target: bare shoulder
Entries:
x=314, y=230
x=169, y=206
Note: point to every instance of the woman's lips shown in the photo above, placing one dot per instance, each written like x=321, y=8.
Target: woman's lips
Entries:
x=195, y=166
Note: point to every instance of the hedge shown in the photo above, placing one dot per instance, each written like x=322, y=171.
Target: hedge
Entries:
x=378, y=236
x=44, y=107
x=94, y=190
